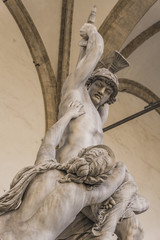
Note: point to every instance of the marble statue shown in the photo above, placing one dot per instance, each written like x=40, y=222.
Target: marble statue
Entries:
x=82, y=176
x=96, y=90
x=48, y=206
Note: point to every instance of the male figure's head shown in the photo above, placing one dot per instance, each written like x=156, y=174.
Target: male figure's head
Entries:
x=102, y=87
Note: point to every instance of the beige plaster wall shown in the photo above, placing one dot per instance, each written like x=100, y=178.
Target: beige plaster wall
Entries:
x=144, y=65
x=22, y=120
x=136, y=143
x=46, y=16
x=81, y=13
x=144, y=61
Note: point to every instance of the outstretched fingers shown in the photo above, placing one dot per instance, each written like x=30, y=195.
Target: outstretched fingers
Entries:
x=76, y=109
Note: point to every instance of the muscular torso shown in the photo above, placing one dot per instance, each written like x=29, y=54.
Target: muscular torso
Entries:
x=83, y=131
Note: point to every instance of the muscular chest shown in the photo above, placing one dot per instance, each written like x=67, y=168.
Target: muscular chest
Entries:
x=91, y=121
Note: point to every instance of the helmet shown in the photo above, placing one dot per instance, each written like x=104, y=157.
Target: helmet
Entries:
x=106, y=74
x=103, y=74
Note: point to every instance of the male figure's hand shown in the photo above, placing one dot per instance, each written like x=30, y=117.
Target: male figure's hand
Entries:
x=85, y=33
x=86, y=30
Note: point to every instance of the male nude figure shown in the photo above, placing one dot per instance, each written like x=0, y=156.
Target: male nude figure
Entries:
x=86, y=130
x=48, y=207
x=102, y=89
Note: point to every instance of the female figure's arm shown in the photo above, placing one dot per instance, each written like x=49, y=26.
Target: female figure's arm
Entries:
x=53, y=136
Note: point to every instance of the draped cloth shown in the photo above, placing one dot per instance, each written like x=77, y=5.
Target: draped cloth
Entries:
x=77, y=170
x=12, y=199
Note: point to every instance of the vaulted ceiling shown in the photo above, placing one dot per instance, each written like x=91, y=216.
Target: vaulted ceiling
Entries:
x=51, y=31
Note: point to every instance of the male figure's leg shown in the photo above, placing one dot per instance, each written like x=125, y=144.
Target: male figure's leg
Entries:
x=129, y=227
x=122, y=198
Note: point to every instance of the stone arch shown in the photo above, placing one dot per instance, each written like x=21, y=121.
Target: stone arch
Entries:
x=120, y=22
x=138, y=90
x=40, y=58
x=140, y=39
x=115, y=29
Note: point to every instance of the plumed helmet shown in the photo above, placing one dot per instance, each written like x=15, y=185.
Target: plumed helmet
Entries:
x=108, y=77
x=106, y=73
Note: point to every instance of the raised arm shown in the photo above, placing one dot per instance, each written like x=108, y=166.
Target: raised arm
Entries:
x=103, y=112
x=53, y=136
x=92, y=46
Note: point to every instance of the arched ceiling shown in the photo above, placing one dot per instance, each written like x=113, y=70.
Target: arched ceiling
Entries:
x=51, y=30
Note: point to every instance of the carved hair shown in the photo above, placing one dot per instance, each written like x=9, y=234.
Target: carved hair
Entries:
x=91, y=171
x=91, y=167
